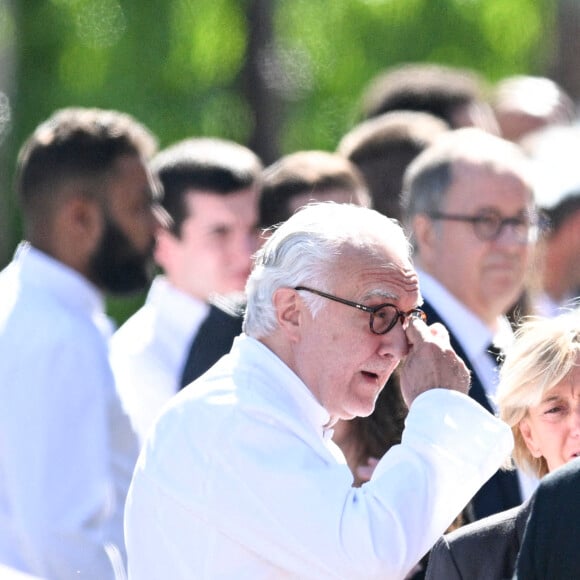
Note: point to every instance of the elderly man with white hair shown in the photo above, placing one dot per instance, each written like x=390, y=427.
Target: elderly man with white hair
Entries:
x=240, y=478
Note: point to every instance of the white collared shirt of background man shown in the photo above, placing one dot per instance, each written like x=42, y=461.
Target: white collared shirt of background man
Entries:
x=67, y=450
x=475, y=337
x=149, y=350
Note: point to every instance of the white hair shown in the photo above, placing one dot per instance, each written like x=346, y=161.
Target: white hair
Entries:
x=304, y=250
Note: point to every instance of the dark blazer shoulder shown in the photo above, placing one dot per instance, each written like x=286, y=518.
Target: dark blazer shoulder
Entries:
x=550, y=543
x=483, y=550
x=214, y=339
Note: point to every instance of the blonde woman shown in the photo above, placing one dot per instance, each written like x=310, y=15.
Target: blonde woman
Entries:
x=539, y=397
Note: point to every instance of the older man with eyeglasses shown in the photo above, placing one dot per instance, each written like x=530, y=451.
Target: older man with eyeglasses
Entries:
x=240, y=477
x=469, y=204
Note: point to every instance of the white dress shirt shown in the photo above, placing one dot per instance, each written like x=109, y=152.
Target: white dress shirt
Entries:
x=239, y=479
x=475, y=338
x=66, y=448
x=7, y=573
x=149, y=351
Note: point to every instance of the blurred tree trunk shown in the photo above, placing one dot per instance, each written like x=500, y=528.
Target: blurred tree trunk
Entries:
x=7, y=92
x=565, y=68
x=264, y=102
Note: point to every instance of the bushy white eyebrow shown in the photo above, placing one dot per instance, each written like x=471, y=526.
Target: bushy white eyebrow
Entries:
x=386, y=295
x=380, y=294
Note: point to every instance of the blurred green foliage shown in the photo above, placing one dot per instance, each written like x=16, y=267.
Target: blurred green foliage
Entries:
x=177, y=65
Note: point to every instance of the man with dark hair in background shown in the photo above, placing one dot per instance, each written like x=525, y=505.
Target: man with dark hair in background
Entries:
x=210, y=191
x=67, y=451
x=303, y=176
x=456, y=95
x=383, y=147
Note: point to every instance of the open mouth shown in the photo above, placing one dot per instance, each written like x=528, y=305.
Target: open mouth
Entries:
x=370, y=376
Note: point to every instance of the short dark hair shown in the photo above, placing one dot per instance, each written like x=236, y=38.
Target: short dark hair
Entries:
x=558, y=214
x=383, y=147
x=303, y=173
x=436, y=89
x=206, y=164
x=75, y=144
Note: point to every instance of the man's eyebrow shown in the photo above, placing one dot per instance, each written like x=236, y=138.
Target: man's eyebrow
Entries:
x=388, y=296
x=380, y=294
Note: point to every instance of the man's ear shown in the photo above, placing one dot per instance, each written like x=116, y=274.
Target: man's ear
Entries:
x=82, y=217
x=528, y=436
x=289, y=311
x=165, y=243
x=76, y=231
x=423, y=230
x=425, y=236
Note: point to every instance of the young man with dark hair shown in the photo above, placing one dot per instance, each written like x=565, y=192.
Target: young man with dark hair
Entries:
x=210, y=191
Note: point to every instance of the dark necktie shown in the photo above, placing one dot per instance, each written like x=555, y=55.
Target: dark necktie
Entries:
x=496, y=354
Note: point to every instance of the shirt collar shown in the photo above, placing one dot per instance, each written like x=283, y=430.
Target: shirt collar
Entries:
x=287, y=382
x=185, y=312
x=64, y=283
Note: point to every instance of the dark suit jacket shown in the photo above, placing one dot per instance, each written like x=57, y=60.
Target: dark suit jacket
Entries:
x=502, y=491
x=551, y=544
x=484, y=550
x=214, y=339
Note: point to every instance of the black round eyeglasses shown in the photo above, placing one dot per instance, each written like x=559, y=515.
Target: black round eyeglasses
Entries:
x=489, y=224
x=383, y=317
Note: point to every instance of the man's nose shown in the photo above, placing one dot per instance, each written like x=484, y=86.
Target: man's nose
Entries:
x=394, y=342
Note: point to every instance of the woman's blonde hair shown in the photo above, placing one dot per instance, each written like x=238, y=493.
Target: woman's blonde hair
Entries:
x=544, y=352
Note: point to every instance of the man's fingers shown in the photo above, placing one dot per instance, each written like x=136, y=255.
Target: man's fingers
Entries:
x=416, y=330
x=431, y=362
x=419, y=331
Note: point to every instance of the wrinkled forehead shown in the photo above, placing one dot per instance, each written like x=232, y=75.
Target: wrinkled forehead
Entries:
x=376, y=270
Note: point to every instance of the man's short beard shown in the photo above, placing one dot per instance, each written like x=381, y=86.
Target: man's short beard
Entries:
x=116, y=266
